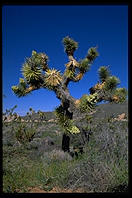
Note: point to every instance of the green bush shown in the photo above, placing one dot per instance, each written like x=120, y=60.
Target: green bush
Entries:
x=24, y=134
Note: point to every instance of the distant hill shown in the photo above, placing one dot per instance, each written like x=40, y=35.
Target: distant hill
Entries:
x=101, y=111
x=109, y=109
x=47, y=116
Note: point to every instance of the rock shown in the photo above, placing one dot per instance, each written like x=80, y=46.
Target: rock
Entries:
x=122, y=116
x=51, y=120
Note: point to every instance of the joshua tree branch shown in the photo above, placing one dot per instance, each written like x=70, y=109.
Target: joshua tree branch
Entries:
x=30, y=88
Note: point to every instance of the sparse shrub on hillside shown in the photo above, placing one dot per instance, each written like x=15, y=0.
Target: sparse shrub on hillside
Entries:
x=24, y=134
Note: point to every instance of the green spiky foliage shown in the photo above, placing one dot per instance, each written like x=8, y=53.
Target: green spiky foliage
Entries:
x=41, y=115
x=86, y=62
x=66, y=124
x=107, y=90
x=70, y=73
x=33, y=67
x=88, y=102
x=69, y=45
x=20, y=90
x=84, y=65
x=104, y=73
x=111, y=83
x=92, y=54
x=31, y=74
x=39, y=60
x=32, y=71
x=52, y=78
x=120, y=95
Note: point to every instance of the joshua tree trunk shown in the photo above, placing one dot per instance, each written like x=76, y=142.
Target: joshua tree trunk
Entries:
x=67, y=102
x=65, y=143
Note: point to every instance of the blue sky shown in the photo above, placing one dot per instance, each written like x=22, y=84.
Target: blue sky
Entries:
x=42, y=28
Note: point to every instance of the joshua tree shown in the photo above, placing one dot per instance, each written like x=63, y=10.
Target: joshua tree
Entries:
x=37, y=74
x=41, y=115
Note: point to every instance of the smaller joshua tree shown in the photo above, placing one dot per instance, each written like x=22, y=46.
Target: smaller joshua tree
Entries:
x=25, y=131
x=41, y=115
x=37, y=74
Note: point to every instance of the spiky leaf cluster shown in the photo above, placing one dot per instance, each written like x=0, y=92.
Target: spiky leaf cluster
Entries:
x=41, y=114
x=20, y=90
x=84, y=65
x=69, y=45
x=62, y=118
x=31, y=74
x=92, y=54
x=70, y=73
x=104, y=73
x=52, y=78
x=64, y=121
x=111, y=83
x=87, y=102
x=73, y=129
x=119, y=95
x=33, y=67
x=39, y=60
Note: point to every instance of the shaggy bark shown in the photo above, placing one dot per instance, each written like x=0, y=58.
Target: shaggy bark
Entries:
x=67, y=102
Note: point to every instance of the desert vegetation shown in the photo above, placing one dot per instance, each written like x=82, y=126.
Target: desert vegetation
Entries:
x=37, y=74
x=81, y=146
x=40, y=165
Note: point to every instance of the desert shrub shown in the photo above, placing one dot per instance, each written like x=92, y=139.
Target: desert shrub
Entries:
x=112, y=137
x=24, y=134
x=104, y=165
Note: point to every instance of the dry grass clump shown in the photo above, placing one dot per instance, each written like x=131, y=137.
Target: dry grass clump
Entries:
x=56, y=155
